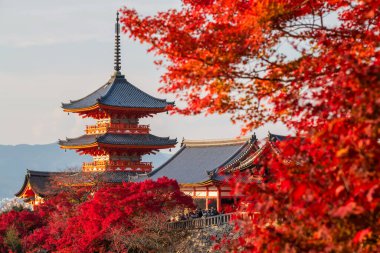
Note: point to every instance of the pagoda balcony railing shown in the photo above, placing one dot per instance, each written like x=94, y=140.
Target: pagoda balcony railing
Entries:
x=117, y=166
x=117, y=128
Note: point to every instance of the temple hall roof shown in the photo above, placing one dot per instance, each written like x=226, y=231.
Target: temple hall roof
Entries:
x=118, y=92
x=197, y=161
x=119, y=139
x=275, y=137
x=42, y=183
x=254, y=158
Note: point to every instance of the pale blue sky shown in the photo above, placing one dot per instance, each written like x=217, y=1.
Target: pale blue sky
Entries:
x=52, y=51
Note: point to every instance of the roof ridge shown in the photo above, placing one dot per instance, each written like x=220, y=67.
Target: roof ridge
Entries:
x=131, y=85
x=233, y=155
x=161, y=99
x=113, y=78
x=215, y=142
x=165, y=163
x=103, y=86
x=41, y=172
x=229, y=159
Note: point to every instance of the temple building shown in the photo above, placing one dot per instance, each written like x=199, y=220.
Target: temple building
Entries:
x=117, y=141
x=196, y=167
x=204, y=167
x=201, y=167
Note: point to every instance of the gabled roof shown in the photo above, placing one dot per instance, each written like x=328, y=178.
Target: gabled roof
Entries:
x=197, y=161
x=275, y=137
x=118, y=92
x=254, y=158
x=142, y=140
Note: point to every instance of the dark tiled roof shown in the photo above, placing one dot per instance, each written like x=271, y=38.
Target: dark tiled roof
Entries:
x=120, y=139
x=120, y=93
x=255, y=157
x=196, y=160
x=42, y=183
x=245, y=151
x=276, y=137
x=81, y=140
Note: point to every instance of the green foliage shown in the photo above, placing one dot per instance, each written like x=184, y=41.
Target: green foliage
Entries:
x=12, y=239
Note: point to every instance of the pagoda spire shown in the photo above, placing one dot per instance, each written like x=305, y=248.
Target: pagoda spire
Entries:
x=118, y=141
x=117, y=44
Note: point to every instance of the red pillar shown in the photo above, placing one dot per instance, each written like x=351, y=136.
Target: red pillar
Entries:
x=206, y=198
x=219, y=200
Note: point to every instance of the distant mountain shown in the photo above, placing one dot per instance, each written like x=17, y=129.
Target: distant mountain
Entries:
x=15, y=160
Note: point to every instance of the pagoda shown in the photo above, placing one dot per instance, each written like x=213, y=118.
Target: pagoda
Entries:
x=117, y=141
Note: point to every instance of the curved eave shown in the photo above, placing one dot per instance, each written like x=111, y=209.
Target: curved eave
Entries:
x=23, y=187
x=251, y=160
x=117, y=108
x=123, y=146
x=202, y=183
x=120, y=146
x=81, y=110
x=137, y=109
x=92, y=145
x=26, y=187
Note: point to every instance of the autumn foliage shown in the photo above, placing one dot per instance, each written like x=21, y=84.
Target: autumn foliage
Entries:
x=110, y=220
x=311, y=65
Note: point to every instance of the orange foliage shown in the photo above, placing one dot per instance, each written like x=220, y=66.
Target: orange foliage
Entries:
x=312, y=65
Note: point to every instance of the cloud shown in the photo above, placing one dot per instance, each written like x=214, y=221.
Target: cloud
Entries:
x=47, y=22
x=52, y=51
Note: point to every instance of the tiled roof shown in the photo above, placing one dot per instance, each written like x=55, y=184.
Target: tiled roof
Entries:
x=276, y=137
x=243, y=154
x=196, y=160
x=120, y=139
x=255, y=157
x=81, y=140
x=42, y=183
x=120, y=93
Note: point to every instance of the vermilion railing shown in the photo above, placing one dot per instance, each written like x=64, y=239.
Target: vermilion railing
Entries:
x=117, y=166
x=101, y=128
x=216, y=220
x=203, y=222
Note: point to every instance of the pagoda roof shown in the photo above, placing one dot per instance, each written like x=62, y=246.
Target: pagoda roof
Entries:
x=120, y=93
x=197, y=161
x=141, y=140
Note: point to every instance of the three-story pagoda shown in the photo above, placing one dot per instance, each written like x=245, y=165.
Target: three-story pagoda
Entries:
x=117, y=141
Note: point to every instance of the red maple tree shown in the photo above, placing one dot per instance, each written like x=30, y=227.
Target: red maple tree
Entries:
x=312, y=65
x=109, y=220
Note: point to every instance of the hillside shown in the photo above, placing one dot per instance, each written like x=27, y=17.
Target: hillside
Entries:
x=14, y=160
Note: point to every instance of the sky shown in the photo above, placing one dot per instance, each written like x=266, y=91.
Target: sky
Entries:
x=53, y=51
